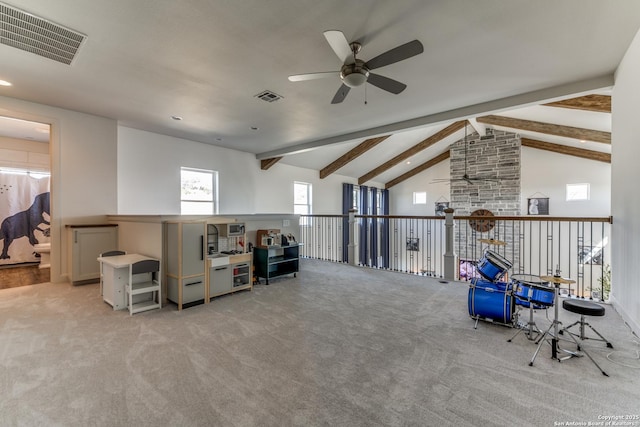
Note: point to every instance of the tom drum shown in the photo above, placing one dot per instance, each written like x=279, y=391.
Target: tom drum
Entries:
x=528, y=288
x=492, y=266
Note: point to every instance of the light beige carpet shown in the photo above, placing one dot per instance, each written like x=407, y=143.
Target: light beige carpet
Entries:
x=338, y=345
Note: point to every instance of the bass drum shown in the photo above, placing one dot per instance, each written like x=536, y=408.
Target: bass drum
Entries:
x=492, y=301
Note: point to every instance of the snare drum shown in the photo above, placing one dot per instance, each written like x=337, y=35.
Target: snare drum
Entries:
x=491, y=300
x=527, y=287
x=493, y=266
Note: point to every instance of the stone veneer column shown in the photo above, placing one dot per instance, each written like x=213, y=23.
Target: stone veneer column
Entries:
x=494, y=156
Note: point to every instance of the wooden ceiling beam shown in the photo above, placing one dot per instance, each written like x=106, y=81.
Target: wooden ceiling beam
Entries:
x=597, y=103
x=426, y=165
x=570, y=151
x=267, y=163
x=437, y=137
x=351, y=155
x=547, y=128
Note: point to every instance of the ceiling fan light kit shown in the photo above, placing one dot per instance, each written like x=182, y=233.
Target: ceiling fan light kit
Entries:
x=355, y=72
x=354, y=75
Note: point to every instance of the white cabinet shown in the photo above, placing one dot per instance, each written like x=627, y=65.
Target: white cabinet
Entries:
x=86, y=243
x=229, y=274
x=219, y=280
x=115, y=282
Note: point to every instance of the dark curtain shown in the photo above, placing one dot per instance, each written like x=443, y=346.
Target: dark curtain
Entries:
x=367, y=227
x=373, y=224
x=363, y=244
x=347, y=205
x=384, y=232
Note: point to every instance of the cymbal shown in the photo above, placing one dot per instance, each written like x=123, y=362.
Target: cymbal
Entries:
x=492, y=242
x=557, y=279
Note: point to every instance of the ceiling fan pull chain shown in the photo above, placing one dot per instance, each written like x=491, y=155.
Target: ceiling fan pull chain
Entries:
x=365, y=94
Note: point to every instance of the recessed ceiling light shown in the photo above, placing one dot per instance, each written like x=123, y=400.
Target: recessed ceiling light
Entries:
x=5, y=83
x=178, y=118
x=583, y=140
x=408, y=162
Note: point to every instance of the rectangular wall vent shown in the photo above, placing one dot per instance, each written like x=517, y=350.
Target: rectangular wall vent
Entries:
x=269, y=96
x=27, y=32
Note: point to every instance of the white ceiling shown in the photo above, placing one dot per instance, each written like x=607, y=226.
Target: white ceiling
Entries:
x=204, y=60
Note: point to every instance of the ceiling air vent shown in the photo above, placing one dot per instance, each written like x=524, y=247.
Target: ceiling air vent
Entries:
x=27, y=32
x=268, y=96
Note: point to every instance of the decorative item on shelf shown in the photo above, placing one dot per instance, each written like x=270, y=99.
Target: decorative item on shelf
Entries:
x=266, y=238
x=538, y=204
x=482, y=225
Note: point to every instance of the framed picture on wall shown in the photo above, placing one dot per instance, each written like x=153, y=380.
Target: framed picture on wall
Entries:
x=440, y=207
x=590, y=255
x=413, y=244
x=538, y=206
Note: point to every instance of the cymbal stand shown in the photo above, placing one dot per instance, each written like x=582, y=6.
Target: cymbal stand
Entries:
x=553, y=336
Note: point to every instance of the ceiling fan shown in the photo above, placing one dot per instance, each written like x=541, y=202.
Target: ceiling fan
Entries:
x=465, y=177
x=355, y=72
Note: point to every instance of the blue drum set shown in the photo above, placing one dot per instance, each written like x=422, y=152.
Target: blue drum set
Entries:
x=496, y=301
x=493, y=300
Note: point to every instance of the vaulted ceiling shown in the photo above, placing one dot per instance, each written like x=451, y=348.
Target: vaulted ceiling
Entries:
x=495, y=63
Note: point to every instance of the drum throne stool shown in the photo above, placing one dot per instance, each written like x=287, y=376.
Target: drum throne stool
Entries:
x=584, y=308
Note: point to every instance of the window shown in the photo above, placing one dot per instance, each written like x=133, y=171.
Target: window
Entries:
x=419, y=197
x=577, y=192
x=302, y=200
x=198, y=192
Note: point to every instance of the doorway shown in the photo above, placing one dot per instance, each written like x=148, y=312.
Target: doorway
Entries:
x=25, y=214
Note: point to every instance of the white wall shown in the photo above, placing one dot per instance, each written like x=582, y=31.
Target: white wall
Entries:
x=24, y=154
x=543, y=174
x=276, y=186
x=401, y=195
x=546, y=174
x=149, y=173
x=149, y=178
x=83, y=169
x=625, y=202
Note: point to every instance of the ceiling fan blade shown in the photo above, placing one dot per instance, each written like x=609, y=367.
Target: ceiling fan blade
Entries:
x=341, y=94
x=313, y=76
x=385, y=83
x=339, y=44
x=396, y=54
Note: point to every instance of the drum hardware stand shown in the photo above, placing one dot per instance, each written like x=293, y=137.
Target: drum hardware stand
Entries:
x=555, y=347
x=530, y=327
x=532, y=331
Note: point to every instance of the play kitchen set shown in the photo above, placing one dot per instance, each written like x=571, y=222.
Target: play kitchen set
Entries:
x=206, y=259
x=212, y=257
